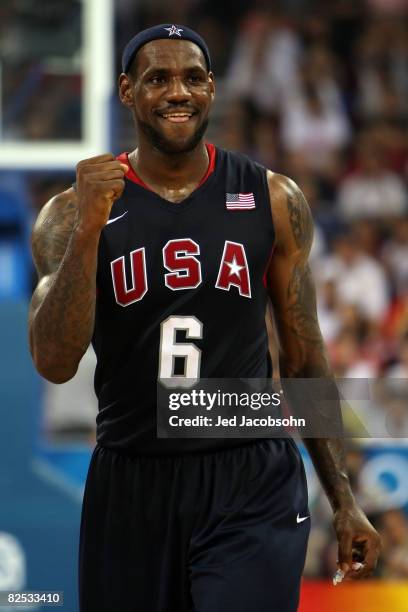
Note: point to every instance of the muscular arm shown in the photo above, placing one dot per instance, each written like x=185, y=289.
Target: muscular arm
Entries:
x=65, y=249
x=292, y=292
x=62, y=309
x=302, y=355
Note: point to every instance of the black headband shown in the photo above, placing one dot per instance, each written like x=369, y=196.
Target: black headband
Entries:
x=158, y=32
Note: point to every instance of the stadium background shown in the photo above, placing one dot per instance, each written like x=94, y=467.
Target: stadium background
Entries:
x=315, y=90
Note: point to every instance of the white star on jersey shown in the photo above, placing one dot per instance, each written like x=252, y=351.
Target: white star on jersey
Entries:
x=235, y=269
x=174, y=30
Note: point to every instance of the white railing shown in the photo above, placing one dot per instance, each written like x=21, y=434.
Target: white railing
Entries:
x=97, y=72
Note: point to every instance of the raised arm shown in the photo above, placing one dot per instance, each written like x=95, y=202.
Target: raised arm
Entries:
x=303, y=355
x=65, y=242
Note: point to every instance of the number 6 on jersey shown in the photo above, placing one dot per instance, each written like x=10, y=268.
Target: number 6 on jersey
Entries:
x=170, y=349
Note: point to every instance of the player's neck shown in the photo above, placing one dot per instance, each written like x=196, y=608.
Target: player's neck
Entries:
x=175, y=170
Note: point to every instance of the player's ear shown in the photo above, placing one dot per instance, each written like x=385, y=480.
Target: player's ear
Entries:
x=125, y=90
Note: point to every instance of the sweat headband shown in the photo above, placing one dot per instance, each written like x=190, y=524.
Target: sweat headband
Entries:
x=158, y=32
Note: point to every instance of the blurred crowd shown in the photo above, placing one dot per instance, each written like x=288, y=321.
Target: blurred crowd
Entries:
x=312, y=89
x=323, y=99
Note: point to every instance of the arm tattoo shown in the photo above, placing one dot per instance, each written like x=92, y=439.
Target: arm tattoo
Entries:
x=301, y=296
x=63, y=305
x=50, y=239
x=300, y=219
x=302, y=305
x=303, y=352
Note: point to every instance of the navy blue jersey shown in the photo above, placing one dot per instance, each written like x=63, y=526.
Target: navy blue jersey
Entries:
x=170, y=274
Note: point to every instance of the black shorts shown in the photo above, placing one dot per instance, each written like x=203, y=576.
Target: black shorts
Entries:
x=216, y=532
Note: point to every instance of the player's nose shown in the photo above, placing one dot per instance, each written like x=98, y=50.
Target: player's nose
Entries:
x=177, y=91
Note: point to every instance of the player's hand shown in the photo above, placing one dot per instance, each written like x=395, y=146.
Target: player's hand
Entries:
x=359, y=544
x=99, y=182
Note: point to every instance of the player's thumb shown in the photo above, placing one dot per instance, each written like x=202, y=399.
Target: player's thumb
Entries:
x=345, y=551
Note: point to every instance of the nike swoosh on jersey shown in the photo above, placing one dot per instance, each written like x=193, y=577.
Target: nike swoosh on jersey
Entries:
x=116, y=218
x=300, y=519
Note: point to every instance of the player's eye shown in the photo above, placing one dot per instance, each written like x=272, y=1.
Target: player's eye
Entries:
x=157, y=79
x=195, y=78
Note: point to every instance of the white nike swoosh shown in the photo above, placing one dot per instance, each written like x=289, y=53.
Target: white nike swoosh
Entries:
x=301, y=519
x=116, y=218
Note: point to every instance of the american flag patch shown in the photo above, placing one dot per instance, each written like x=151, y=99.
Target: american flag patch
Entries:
x=239, y=201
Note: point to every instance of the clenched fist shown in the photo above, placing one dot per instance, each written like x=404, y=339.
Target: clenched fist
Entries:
x=100, y=181
x=359, y=544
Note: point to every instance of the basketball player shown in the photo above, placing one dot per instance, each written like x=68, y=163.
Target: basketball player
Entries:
x=154, y=249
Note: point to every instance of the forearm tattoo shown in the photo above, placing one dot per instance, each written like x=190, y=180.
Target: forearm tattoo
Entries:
x=305, y=355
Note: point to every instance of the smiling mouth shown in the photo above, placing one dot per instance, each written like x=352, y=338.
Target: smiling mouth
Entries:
x=177, y=117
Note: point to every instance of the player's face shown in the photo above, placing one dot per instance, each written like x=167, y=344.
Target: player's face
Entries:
x=171, y=94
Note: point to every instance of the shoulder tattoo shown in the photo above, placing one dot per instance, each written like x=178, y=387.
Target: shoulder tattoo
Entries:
x=300, y=218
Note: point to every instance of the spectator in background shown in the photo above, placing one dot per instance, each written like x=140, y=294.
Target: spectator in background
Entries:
x=315, y=128
x=359, y=279
x=395, y=409
x=400, y=368
x=392, y=139
x=393, y=529
x=264, y=61
x=388, y=7
x=395, y=256
x=232, y=133
x=328, y=311
x=348, y=359
x=265, y=143
x=373, y=190
x=367, y=233
x=396, y=320
x=382, y=70
x=313, y=119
